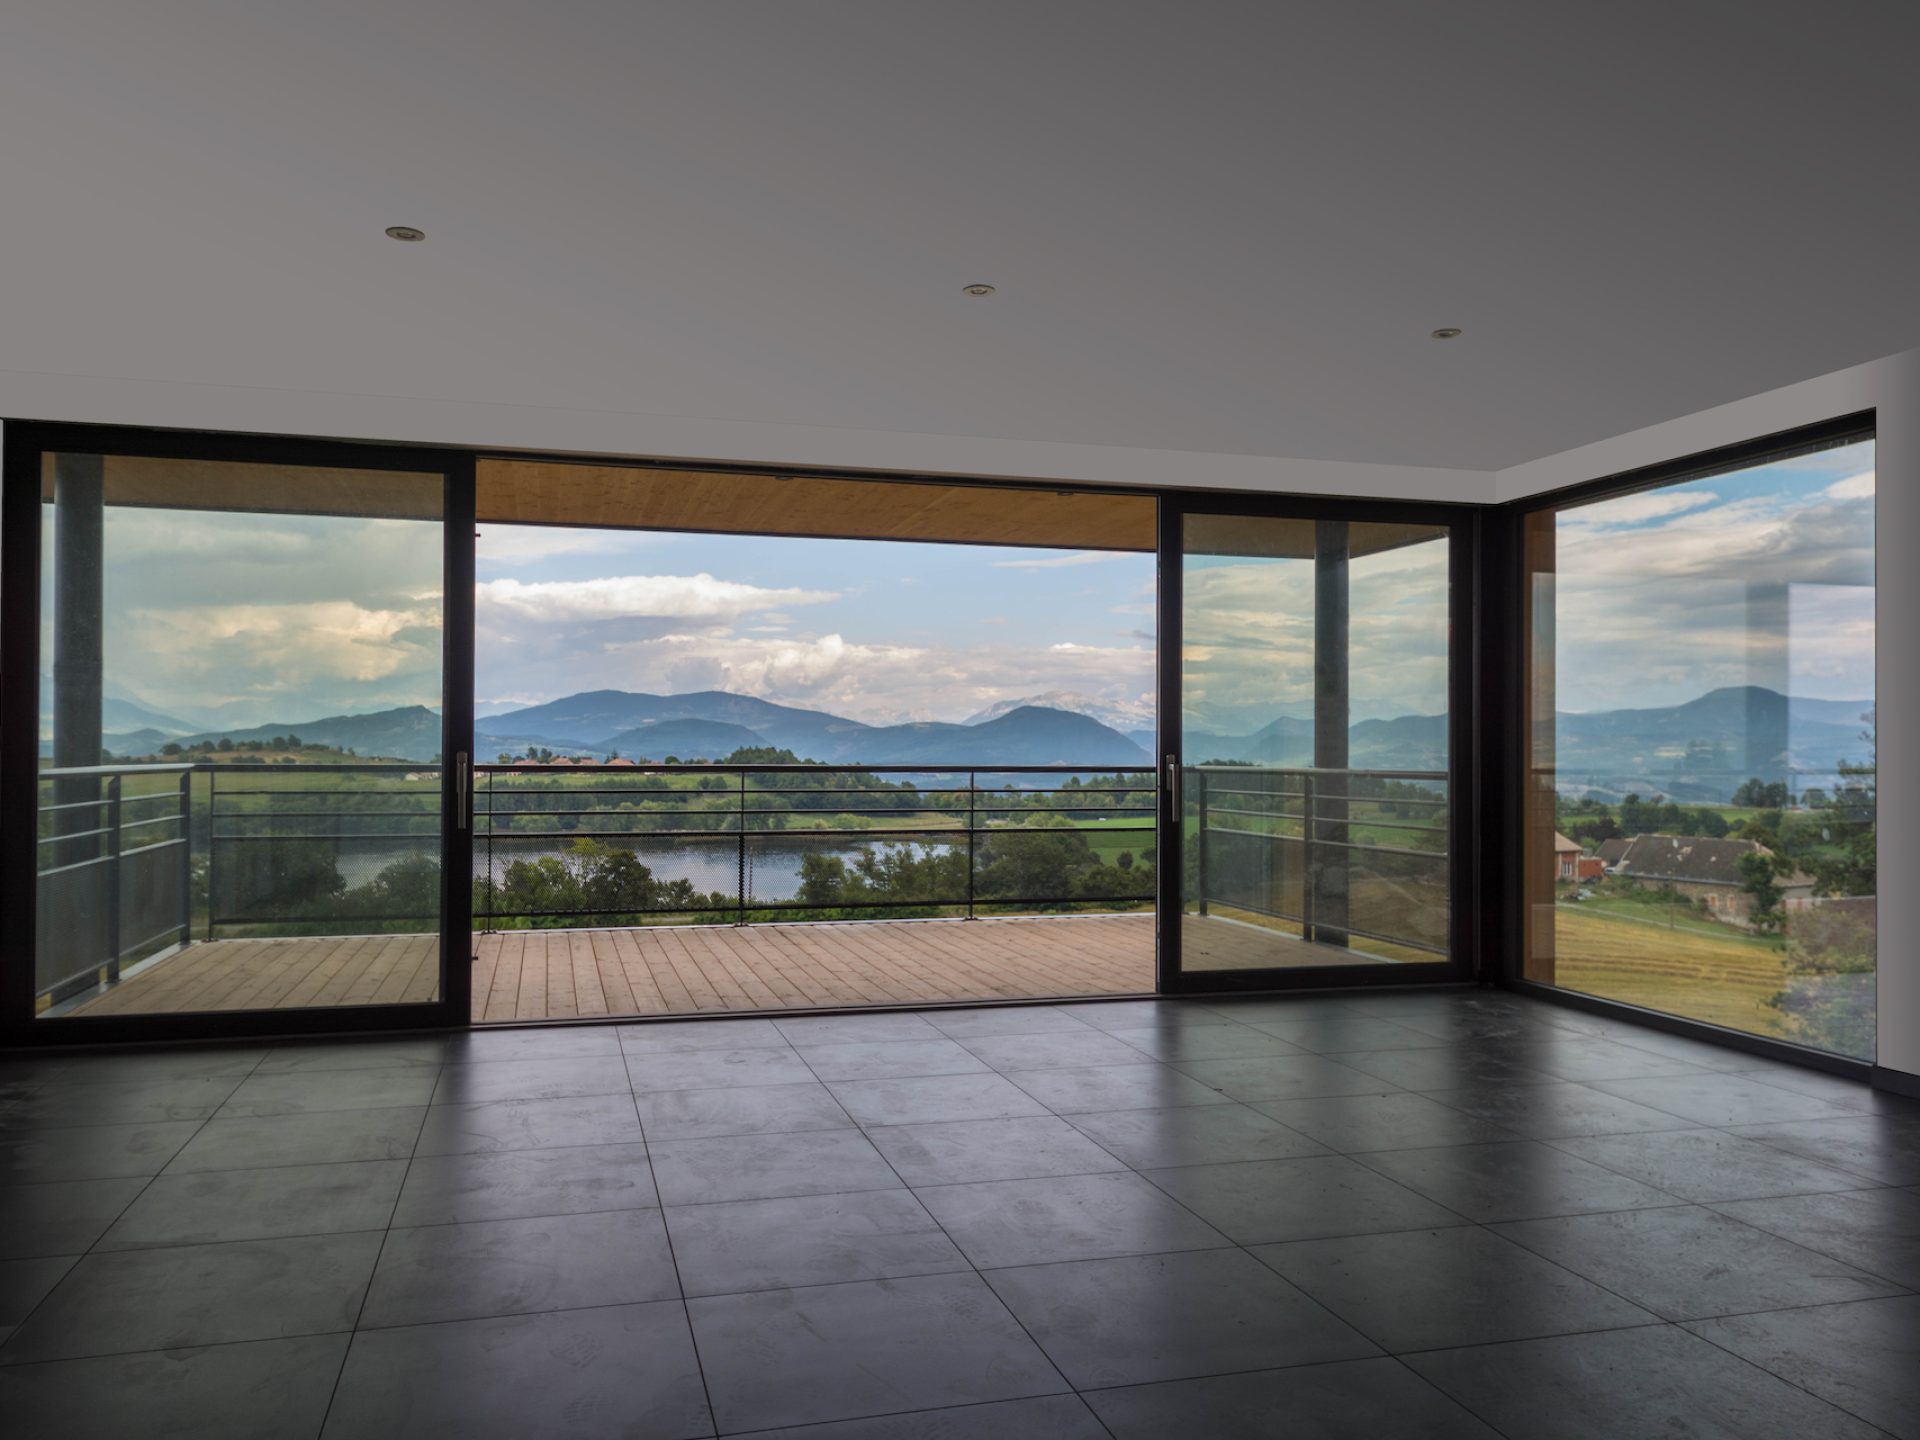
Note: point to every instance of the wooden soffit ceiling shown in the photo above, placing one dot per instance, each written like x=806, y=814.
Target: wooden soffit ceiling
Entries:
x=628, y=497
x=544, y=492
x=242, y=486
x=1284, y=537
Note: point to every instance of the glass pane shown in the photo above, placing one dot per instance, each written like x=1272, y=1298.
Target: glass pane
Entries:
x=1701, y=798
x=1313, y=676
x=240, y=737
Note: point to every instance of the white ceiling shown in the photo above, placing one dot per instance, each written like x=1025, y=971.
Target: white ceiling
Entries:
x=1215, y=227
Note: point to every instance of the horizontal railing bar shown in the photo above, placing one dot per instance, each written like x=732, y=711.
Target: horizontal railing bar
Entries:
x=325, y=814
x=1364, y=821
x=354, y=919
x=732, y=837
x=959, y=815
x=1334, y=844
x=75, y=835
x=1428, y=801
x=1213, y=769
x=75, y=866
x=733, y=906
x=62, y=772
x=769, y=792
x=153, y=845
x=356, y=835
x=1322, y=925
x=726, y=768
x=315, y=793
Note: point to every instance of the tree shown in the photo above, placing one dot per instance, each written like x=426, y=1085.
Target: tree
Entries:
x=409, y=886
x=1849, y=862
x=1759, y=875
x=1708, y=822
x=1758, y=794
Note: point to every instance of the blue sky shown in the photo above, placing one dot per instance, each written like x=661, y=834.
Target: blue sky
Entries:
x=876, y=631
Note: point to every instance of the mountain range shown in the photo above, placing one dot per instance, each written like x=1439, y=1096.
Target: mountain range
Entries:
x=711, y=724
x=1129, y=717
x=1699, y=750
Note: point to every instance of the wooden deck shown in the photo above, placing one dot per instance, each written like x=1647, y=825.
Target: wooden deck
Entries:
x=690, y=970
x=536, y=974
x=662, y=970
x=277, y=975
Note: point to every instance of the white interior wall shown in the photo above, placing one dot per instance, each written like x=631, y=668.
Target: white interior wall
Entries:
x=264, y=410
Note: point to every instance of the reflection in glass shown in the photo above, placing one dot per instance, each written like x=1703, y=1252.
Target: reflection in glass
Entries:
x=1314, y=732
x=1702, y=795
x=240, y=776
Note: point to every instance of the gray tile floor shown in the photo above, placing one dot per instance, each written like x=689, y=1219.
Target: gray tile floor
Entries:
x=1433, y=1215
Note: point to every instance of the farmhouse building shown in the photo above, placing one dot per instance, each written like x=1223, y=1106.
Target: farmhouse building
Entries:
x=1571, y=863
x=1705, y=870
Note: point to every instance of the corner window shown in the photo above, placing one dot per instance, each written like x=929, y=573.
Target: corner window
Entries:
x=1700, y=790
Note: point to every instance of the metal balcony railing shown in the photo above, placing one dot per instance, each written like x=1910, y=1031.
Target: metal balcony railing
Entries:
x=1348, y=855
x=953, y=839
x=114, y=871
x=135, y=859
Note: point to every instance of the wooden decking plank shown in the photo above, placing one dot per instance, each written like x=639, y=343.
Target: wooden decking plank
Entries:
x=532, y=1001
x=757, y=990
x=486, y=961
x=641, y=950
x=503, y=1002
x=699, y=986
x=589, y=996
x=350, y=952
x=615, y=987
x=655, y=970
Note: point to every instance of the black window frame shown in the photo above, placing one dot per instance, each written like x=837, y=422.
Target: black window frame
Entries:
x=1506, y=703
x=21, y=522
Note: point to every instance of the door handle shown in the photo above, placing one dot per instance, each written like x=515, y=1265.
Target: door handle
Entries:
x=1173, y=784
x=461, y=818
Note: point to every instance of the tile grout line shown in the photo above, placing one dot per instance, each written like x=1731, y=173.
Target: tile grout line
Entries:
x=972, y=1267
x=94, y=1246
x=366, y=1292
x=673, y=1254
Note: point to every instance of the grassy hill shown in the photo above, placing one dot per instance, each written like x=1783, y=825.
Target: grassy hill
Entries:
x=1724, y=979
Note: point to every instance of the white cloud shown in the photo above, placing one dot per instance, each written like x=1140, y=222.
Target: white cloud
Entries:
x=1059, y=562
x=1638, y=509
x=1854, y=487
x=631, y=597
x=510, y=545
x=1667, y=611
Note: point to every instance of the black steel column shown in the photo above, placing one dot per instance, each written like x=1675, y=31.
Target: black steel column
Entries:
x=1331, y=719
x=79, y=495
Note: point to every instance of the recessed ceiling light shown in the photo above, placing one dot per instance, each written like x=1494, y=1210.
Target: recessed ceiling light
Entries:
x=978, y=289
x=1447, y=332
x=406, y=232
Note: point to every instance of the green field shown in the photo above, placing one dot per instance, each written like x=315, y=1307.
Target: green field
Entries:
x=1116, y=838
x=1697, y=969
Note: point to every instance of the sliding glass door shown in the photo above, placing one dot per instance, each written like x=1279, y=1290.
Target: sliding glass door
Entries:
x=1308, y=723
x=239, y=733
